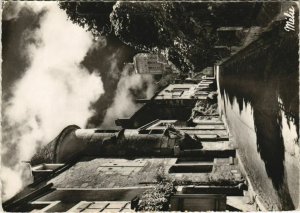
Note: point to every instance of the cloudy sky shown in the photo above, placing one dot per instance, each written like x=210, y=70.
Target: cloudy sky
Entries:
x=55, y=74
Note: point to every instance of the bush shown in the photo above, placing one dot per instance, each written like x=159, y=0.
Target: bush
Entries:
x=157, y=198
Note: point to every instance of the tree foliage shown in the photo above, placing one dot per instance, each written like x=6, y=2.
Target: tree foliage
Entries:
x=92, y=15
x=185, y=32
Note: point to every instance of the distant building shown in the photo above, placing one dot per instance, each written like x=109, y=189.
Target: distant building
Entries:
x=187, y=93
x=154, y=64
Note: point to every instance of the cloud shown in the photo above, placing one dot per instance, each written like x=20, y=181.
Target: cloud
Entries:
x=113, y=57
x=124, y=105
x=11, y=10
x=11, y=181
x=55, y=91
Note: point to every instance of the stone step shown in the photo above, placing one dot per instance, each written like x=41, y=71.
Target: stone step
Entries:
x=218, y=145
x=210, y=127
x=211, y=133
x=207, y=122
x=212, y=138
x=240, y=203
x=227, y=190
x=203, y=127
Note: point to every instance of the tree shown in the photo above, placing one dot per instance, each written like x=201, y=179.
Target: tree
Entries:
x=185, y=33
x=92, y=15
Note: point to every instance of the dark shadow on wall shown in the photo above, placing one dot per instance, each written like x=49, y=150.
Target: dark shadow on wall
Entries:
x=265, y=75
